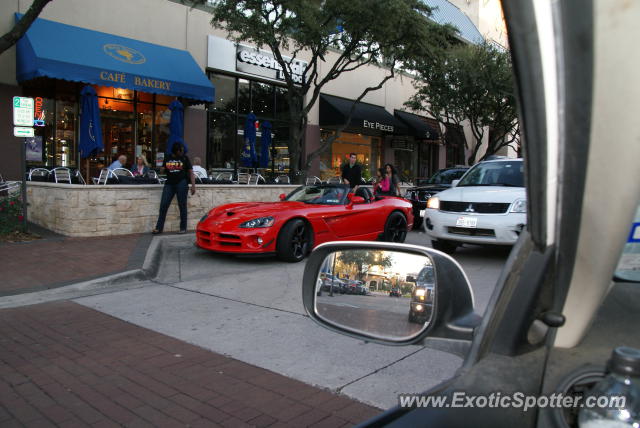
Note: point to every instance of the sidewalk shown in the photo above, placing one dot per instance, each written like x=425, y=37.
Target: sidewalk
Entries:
x=56, y=260
x=63, y=364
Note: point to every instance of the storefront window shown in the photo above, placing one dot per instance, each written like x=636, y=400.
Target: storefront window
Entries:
x=282, y=103
x=162, y=120
x=66, y=152
x=40, y=149
x=225, y=93
x=262, y=100
x=244, y=96
x=145, y=133
x=365, y=147
x=280, y=149
x=222, y=140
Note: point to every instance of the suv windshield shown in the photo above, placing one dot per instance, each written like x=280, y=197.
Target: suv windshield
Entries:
x=446, y=176
x=503, y=173
x=322, y=195
x=426, y=275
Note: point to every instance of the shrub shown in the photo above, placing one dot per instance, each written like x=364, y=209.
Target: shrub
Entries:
x=10, y=214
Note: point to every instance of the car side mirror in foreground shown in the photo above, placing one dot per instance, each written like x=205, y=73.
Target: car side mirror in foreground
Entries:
x=438, y=304
x=454, y=183
x=282, y=196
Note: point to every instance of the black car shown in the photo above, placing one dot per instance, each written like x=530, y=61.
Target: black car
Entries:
x=421, y=305
x=440, y=181
x=395, y=292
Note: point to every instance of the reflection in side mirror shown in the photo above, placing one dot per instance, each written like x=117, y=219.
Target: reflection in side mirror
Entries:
x=367, y=291
x=282, y=196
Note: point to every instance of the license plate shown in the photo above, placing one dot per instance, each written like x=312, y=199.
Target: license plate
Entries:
x=422, y=213
x=467, y=222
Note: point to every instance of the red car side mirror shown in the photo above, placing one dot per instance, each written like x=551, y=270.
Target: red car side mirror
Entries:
x=282, y=196
x=353, y=199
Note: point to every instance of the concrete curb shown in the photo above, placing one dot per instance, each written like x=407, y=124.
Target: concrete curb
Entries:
x=129, y=279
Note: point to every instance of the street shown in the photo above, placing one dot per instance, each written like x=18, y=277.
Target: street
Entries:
x=250, y=309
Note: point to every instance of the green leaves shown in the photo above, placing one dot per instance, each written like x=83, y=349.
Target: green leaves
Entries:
x=471, y=82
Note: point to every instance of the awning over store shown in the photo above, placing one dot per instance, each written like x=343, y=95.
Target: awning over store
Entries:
x=334, y=112
x=61, y=51
x=418, y=127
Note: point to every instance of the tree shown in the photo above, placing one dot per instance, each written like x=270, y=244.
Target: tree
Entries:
x=21, y=27
x=363, y=260
x=354, y=34
x=474, y=83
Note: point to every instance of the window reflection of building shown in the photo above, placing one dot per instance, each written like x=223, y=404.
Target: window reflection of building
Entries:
x=235, y=98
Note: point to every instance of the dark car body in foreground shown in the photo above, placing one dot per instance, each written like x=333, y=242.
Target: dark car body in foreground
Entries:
x=306, y=218
x=441, y=180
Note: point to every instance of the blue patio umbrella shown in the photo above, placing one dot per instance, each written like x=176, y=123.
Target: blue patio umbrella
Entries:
x=90, y=128
x=265, y=142
x=248, y=156
x=176, y=125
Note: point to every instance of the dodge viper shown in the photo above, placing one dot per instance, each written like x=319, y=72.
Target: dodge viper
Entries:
x=307, y=217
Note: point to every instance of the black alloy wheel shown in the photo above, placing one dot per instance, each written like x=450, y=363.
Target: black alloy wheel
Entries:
x=294, y=241
x=395, y=229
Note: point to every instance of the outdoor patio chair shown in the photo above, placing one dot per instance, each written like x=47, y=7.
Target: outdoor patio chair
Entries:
x=312, y=180
x=200, y=176
x=105, y=173
x=256, y=179
x=243, y=178
x=61, y=175
x=283, y=179
x=80, y=178
x=122, y=172
x=334, y=180
x=225, y=176
x=39, y=174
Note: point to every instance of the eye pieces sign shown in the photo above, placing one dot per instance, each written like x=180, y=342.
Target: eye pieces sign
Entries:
x=377, y=125
x=262, y=63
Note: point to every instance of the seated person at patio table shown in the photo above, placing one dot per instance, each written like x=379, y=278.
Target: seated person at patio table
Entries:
x=141, y=168
x=118, y=163
x=198, y=168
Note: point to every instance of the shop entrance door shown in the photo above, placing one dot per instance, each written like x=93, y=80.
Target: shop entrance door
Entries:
x=118, y=131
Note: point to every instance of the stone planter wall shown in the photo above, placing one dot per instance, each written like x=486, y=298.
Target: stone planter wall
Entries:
x=75, y=210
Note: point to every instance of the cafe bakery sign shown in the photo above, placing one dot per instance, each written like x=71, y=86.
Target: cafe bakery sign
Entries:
x=263, y=63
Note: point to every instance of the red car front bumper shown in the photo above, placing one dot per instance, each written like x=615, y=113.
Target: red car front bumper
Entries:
x=247, y=241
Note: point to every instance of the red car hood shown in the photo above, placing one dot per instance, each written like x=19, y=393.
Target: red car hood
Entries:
x=233, y=213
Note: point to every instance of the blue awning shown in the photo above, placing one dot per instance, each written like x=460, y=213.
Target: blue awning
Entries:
x=60, y=51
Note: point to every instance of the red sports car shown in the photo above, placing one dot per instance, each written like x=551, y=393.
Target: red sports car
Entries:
x=307, y=217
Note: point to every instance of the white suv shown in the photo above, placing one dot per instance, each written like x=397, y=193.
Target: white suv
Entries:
x=487, y=206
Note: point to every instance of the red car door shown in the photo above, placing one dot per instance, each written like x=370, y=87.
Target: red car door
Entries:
x=350, y=221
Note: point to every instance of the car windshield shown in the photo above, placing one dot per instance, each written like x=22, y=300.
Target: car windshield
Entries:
x=446, y=176
x=501, y=173
x=426, y=275
x=319, y=195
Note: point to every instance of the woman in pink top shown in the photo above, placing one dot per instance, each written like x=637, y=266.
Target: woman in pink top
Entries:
x=383, y=184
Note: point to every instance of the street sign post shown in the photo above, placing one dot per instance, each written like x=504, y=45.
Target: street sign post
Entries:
x=23, y=111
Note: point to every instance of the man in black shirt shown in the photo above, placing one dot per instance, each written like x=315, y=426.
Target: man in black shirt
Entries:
x=351, y=173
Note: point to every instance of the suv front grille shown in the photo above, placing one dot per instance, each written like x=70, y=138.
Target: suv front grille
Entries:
x=472, y=232
x=476, y=207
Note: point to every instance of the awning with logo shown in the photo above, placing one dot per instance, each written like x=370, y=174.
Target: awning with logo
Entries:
x=418, y=126
x=61, y=51
x=334, y=112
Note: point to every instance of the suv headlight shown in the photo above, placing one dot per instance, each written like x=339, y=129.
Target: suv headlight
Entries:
x=519, y=206
x=433, y=203
x=258, y=222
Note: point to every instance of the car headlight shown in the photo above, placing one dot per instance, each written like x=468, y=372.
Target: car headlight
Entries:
x=419, y=308
x=204, y=217
x=519, y=206
x=258, y=222
x=420, y=292
x=434, y=203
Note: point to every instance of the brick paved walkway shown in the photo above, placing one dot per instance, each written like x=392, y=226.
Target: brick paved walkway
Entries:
x=56, y=261
x=62, y=364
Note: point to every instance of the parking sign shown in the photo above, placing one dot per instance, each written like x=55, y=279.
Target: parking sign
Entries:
x=23, y=111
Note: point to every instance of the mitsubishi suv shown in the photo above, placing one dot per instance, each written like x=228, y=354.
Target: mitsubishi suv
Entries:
x=487, y=206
